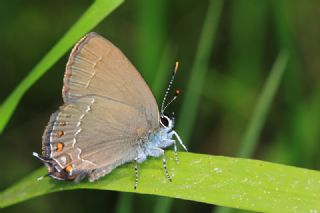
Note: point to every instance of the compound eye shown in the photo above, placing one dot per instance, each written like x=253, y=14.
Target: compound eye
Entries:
x=164, y=120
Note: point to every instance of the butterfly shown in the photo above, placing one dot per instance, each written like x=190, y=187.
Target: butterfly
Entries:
x=109, y=116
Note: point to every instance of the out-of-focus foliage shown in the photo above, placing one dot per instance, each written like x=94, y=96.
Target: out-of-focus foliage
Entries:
x=153, y=34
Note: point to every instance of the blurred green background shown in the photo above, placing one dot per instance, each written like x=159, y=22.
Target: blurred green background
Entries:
x=154, y=34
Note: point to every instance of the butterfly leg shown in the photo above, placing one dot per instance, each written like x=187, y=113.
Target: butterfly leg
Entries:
x=168, y=142
x=178, y=138
x=135, y=161
x=175, y=151
x=165, y=167
x=156, y=152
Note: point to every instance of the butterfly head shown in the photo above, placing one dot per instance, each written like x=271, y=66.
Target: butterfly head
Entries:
x=166, y=122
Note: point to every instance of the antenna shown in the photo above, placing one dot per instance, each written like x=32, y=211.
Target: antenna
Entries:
x=174, y=98
x=169, y=87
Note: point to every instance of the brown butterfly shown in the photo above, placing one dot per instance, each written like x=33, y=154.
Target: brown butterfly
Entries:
x=109, y=116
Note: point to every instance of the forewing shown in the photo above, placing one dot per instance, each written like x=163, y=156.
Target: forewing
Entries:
x=97, y=67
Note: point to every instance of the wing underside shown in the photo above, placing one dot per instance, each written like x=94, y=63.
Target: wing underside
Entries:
x=107, y=114
x=96, y=133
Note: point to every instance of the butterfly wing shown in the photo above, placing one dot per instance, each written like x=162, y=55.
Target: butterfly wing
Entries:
x=97, y=67
x=107, y=114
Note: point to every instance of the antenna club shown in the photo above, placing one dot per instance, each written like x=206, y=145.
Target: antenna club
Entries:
x=176, y=67
x=177, y=92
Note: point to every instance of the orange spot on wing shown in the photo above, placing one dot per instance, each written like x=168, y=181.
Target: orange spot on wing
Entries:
x=68, y=168
x=60, y=146
x=60, y=133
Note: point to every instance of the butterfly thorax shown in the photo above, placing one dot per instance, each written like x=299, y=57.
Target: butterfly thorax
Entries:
x=159, y=138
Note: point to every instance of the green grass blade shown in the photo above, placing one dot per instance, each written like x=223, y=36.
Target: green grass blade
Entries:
x=258, y=118
x=233, y=182
x=151, y=36
x=95, y=13
x=293, y=86
x=124, y=203
x=199, y=70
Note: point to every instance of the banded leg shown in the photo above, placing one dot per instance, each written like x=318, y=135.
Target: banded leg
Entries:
x=175, y=151
x=157, y=152
x=165, y=167
x=136, y=172
x=179, y=139
x=169, y=142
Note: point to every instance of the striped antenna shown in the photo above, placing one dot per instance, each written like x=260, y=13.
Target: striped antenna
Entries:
x=169, y=87
x=174, y=98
